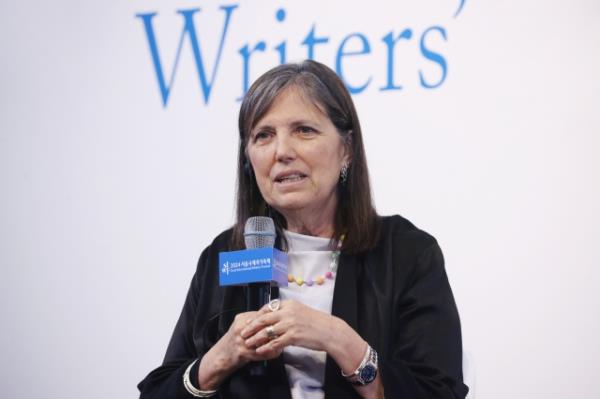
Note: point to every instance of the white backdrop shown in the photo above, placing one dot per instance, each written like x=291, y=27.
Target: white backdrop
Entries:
x=108, y=196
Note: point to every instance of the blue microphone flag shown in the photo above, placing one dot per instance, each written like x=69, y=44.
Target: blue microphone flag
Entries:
x=253, y=266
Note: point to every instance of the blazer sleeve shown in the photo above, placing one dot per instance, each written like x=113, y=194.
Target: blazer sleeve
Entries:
x=425, y=360
x=166, y=381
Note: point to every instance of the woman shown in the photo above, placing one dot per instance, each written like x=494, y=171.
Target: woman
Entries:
x=368, y=310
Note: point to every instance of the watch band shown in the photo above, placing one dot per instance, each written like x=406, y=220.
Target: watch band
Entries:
x=367, y=369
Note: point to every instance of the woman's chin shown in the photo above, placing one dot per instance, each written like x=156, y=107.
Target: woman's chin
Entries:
x=292, y=202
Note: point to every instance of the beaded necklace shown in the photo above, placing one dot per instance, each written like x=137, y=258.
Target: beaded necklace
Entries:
x=329, y=275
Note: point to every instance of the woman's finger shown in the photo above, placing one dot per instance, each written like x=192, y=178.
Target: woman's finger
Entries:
x=273, y=305
x=264, y=335
x=259, y=323
x=242, y=319
x=256, y=323
x=273, y=346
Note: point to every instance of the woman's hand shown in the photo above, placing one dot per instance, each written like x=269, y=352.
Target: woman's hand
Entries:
x=230, y=353
x=292, y=324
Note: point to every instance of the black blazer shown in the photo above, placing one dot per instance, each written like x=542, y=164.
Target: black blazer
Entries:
x=396, y=296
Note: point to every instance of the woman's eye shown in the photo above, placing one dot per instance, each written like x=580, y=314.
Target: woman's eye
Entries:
x=306, y=129
x=261, y=136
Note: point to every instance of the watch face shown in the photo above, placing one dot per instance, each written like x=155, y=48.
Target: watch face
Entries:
x=368, y=373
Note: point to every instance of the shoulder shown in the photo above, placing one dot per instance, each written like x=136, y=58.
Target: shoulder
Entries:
x=406, y=254
x=403, y=245
x=399, y=231
x=223, y=241
x=210, y=254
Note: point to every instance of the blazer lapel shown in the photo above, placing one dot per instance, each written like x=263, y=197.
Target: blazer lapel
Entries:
x=345, y=307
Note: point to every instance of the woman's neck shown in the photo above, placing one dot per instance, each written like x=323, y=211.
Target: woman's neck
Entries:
x=316, y=224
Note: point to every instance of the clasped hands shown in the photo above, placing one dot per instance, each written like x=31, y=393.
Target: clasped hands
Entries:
x=263, y=335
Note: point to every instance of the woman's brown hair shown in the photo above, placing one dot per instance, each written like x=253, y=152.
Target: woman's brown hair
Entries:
x=355, y=215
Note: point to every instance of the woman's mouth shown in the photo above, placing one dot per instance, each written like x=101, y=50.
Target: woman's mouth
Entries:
x=290, y=178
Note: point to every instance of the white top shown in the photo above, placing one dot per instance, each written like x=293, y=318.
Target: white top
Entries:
x=308, y=257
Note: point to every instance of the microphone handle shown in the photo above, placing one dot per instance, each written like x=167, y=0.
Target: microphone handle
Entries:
x=257, y=296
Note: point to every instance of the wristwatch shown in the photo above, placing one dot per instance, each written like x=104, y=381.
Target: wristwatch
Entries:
x=367, y=369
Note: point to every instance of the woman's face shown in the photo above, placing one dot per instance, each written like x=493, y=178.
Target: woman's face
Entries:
x=297, y=153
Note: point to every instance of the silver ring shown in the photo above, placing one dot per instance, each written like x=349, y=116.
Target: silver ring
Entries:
x=274, y=305
x=270, y=332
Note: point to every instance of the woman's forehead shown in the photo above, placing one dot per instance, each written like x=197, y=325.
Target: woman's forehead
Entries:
x=296, y=94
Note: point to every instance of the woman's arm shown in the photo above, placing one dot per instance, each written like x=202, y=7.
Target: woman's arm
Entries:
x=344, y=348
x=425, y=359
x=217, y=359
x=300, y=325
x=166, y=381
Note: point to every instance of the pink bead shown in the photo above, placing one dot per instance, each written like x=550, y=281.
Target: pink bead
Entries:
x=329, y=275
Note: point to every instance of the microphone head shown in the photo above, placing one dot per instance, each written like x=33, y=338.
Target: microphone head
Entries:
x=259, y=232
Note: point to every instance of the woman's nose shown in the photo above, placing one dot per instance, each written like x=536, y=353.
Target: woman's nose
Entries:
x=285, y=150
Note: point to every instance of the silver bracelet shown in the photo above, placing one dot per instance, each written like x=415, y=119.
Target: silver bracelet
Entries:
x=192, y=389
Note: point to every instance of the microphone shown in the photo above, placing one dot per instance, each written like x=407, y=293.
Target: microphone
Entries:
x=259, y=232
x=258, y=266
x=260, y=263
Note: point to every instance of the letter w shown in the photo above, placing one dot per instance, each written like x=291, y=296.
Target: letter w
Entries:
x=190, y=30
